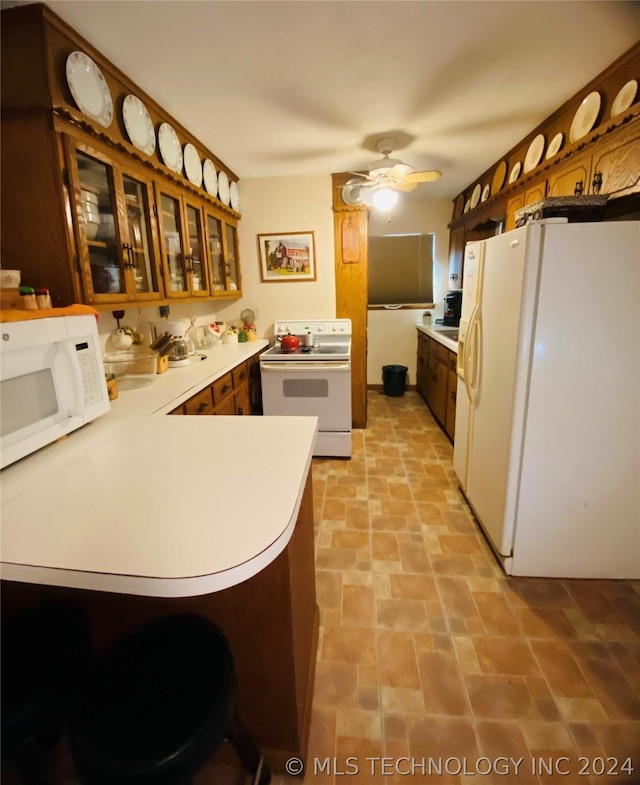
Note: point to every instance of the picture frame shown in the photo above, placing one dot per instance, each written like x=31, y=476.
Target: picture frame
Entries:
x=287, y=256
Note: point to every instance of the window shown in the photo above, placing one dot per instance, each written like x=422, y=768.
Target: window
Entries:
x=401, y=269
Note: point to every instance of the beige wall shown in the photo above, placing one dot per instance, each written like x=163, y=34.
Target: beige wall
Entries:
x=392, y=337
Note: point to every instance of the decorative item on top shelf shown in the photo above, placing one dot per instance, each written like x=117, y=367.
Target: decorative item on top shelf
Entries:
x=138, y=125
x=515, y=172
x=287, y=256
x=585, y=116
x=625, y=97
x=534, y=153
x=234, y=196
x=475, y=196
x=89, y=88
x=499, y=177
x=555, y=145
x=223, y=188
x=210, y=177
x=170, y=149
x=192, y=164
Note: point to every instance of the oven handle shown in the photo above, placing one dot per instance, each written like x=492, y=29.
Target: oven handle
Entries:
x=299, y=365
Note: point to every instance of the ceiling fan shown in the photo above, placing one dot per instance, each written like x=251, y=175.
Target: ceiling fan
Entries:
x=379, y=185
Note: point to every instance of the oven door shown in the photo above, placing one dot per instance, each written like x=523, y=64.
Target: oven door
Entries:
x=308, y=388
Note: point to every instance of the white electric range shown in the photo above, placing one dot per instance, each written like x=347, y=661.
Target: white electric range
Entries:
x=314, y=380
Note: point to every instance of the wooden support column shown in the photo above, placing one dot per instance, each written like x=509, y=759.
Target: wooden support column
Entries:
x=350, y=243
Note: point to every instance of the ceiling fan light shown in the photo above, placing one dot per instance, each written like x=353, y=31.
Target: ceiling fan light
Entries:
x=384, y=198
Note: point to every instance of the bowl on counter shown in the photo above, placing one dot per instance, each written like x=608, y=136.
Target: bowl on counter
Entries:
x=131, y=369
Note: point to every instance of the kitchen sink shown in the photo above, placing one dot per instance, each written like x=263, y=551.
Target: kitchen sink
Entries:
x=448, y=332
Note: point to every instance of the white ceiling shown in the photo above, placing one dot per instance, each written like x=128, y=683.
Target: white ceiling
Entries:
x=298, y=88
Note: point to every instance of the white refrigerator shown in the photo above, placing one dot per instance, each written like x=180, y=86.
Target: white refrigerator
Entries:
x=547, y=447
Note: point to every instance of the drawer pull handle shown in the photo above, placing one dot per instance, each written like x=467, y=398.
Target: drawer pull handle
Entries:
x=201, y=407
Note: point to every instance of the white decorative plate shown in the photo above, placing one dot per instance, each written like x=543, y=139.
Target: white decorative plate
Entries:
x=234, y=195
x=170, y=149
x=192, y=164
x=485, y=193
x=626, y=96
x=498, y=177
x=223, y=188
x=554, y=145
x=515, y=172
x=138, y=124
x=89, y=88
x=475, y=196
x=467, y=206
x=585, y=117
x=210, y=177
x=534, y=153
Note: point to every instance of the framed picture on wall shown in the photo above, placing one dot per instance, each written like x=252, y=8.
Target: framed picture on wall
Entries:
x=287, y=256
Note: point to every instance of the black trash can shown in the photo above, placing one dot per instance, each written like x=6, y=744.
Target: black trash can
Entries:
x=394, y=379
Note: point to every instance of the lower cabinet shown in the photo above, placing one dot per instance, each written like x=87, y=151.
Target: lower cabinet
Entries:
x=437, y=381
x=231, y=394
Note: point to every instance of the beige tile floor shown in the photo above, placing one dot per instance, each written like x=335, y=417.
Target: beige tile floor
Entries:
x=428, y=650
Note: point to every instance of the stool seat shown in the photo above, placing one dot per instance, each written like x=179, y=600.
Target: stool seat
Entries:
x=156, y=706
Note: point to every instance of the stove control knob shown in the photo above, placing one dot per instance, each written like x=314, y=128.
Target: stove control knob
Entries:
x=320, y=328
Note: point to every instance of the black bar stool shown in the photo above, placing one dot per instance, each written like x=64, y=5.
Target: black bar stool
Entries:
x=158, y=705
x=45, y=653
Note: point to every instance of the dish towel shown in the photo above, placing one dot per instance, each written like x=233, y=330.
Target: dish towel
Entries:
x=16, y=315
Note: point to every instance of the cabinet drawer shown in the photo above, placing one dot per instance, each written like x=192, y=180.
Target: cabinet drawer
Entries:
x=222, y=387
x=242, y=400
x=240, y=374
x=201, y=403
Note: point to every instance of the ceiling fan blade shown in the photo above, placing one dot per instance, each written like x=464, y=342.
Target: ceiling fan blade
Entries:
x=423, y=177
x=403, y=185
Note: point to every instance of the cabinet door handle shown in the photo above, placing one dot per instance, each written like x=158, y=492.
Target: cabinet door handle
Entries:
x=453, y=396
x=225, y=388
x=579, y=188
x=202, y=406
x=596, y=183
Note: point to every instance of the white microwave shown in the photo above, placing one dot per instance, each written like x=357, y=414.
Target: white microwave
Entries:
x=51, y=382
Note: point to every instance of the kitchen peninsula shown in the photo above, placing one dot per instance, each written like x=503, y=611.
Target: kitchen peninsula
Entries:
x=138, y=515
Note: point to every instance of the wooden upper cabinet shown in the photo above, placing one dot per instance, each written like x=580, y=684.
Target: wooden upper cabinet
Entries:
x=112, y=217
x=616, y=165
x=571, y=179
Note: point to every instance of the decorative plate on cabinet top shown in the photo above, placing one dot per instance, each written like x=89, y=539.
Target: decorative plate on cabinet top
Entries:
x=475, y=196
x=515, y=172
x=210, y=177
x=485, y=193
x=223, y=188
x=170, y=149
x=467, y=206
x=137, y=122
x=626, y=96
x=192, y=164
x=534, y=153
x=554, y=145
x=498, y=177
x=234, y=196
x=89, y=88
x=585, y=117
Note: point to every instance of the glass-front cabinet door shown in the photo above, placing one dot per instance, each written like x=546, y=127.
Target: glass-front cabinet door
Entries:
x=196, y=253
x=183, y=245
x=223, y=249
x=171, y=240
x=112, y=215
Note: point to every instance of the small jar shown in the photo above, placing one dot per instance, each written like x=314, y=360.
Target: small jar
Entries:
x=43, y=298
x=426, y=317
x=29, y=302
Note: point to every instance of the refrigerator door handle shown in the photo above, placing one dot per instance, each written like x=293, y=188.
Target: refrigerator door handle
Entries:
x=475, y=366
x=466, y=354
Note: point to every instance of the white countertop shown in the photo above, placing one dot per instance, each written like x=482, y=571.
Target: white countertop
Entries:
x=435, y=331
x=140, y=503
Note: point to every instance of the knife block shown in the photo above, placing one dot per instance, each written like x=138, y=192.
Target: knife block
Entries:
x=162, y=363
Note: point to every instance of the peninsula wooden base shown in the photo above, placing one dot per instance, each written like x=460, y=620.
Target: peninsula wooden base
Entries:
x=271, y=622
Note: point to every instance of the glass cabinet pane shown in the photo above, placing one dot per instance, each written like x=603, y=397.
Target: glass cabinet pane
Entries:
x=139, y=240
x=232, y=257
x=214, y=232
x=196, y=256
x=98, y=211
x=171, y=228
